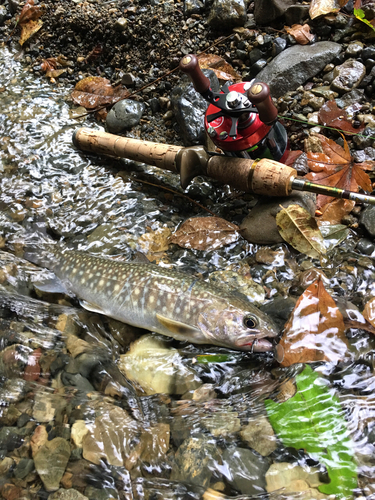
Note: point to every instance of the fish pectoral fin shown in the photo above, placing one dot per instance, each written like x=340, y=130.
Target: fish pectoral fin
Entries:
x=91, y=307
x=177, y=327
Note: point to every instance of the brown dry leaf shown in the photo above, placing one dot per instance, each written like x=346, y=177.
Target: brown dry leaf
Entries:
x=205, y=233
x=29, y=12
x=29, y=29
x=334, y=211
x=321, y=7
x=331, y=115
x=292, y=157
x=222, y=69
x=315, y=330
x=336, y=168
x=95, y=91
x=300, y=33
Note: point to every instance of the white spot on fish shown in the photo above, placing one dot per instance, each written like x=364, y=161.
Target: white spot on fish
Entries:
x=137, y=291
x=151, y=299
x=101, y=283
x=116, y=288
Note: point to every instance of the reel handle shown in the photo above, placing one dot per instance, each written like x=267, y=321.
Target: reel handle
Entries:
x=259, y=95
x=189, y=65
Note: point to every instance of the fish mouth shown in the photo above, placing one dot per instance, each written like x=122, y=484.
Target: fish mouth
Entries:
x=264, y=345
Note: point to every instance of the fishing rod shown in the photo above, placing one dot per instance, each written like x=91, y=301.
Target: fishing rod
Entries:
x=241, y=120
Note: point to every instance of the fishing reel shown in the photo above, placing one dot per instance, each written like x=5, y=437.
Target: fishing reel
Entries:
x=233, y=124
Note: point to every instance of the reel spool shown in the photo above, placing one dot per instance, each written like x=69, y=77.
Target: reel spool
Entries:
x=233, y=124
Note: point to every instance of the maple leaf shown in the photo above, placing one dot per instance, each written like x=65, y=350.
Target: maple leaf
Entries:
x=332, y=116
x=29, y=12
x=315, y=330
x=95, y=91
x=335, y=167
x=222, y=69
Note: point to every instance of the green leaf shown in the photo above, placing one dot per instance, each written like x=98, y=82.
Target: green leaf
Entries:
x=214, y=358
x=334, y=234
x=359, y=14
x=314, y=421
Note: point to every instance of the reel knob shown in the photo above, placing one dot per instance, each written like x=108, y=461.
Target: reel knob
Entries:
x=259, y=95
x=189, y=65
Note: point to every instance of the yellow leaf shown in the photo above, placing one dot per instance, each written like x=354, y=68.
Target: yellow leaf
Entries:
x=29, y=29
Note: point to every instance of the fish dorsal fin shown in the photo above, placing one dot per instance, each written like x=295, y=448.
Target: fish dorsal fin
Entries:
x=176, y=327
x=91, y=307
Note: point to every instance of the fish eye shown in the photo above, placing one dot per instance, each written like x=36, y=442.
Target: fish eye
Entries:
x=250, y=321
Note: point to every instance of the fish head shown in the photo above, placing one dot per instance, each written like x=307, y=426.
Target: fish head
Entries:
x=238, y=325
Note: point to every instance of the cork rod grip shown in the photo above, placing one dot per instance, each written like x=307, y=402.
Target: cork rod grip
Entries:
x=152, y=153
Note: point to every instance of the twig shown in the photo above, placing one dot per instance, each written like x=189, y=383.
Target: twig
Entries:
x=174, y=192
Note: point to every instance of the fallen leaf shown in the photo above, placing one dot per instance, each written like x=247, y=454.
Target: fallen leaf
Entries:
x=292, y=157
x=300, y=33
x=298, y=228
x=222, y=69
x=29, y=29
x=331, y=115
x=361, y=15
x=315, y=330
x=155, y=241
x=334, y=234
x=333, y=212
x=336, y=168
x=29, y=12
x=205, y=233
x=322, y=7
x=94, y=91
x=314, y=420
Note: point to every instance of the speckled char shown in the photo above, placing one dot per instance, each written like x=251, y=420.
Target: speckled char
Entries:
x=163, y=300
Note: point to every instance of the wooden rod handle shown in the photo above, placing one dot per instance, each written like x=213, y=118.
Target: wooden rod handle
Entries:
x=152, y=153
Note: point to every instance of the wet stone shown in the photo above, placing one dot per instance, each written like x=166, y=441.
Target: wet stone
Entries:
x=192, y=7
x=124, y=115
x=24, y=467
x=367, y=219
x=194, y=460
x=259, y=435
x=12, y=437
x=354, y=49
x=69, y=494
x=348, y=76
x=365, y=246
x=267, y=11
x=47, y=405
x=50, y=462
x=230, y=13
x=245, y=470
x=101, y=494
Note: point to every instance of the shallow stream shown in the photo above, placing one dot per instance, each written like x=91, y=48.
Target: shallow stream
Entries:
x=71, y=420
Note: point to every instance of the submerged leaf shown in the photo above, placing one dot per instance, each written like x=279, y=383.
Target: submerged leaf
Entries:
x=205, y=233
x=300, y=33
x=334, y=211
x=313, y=420
x=299, y=229
x=95, y=91
x=315, y=329
x=334, y=234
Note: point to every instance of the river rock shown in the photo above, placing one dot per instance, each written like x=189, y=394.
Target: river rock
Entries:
x=260, y=225
x=295, y=65
x=46, y=405
x=195, y=460
x=78, y=432
x=69, y=494
x=228, y=13
x=157, y=368
x=245, y=470
x=189, y=108
x=110, y=436
x=24, y=467
x=192, y=7
x=367, y=219
x=124, y=115
x=348, y=76
x=50, y=462
x=292, y=478
x=260, y=436
x=266, y=11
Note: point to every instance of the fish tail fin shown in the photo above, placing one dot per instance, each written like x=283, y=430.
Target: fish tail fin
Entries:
x=36, y=247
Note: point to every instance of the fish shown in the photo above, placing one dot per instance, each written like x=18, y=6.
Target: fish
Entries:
x=164, y=301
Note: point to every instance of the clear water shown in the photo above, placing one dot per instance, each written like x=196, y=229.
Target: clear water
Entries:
x=60, y=365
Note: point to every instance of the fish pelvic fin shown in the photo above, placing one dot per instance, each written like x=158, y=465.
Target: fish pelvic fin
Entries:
x=179, y=329
x=91, y=307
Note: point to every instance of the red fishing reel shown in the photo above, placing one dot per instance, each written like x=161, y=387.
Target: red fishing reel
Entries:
x=234, y=125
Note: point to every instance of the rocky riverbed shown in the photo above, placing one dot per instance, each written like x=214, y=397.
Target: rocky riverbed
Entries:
x=94, y=409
